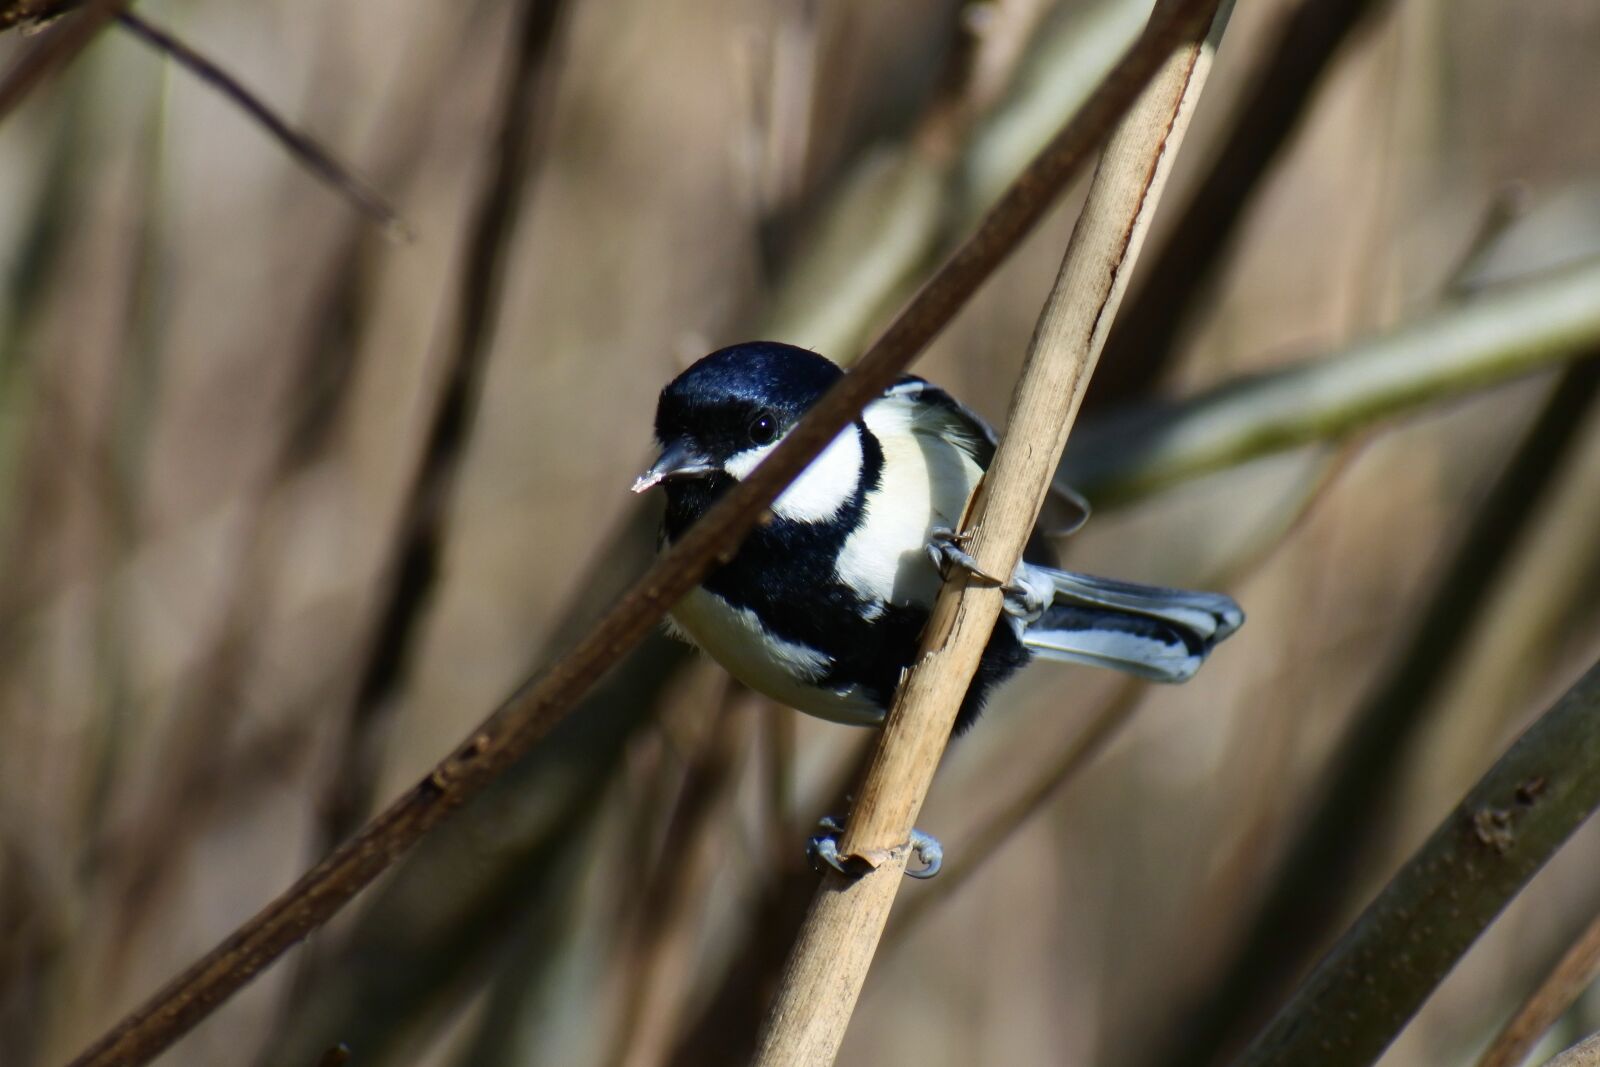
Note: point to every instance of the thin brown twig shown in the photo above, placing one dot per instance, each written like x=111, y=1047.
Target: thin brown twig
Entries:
x=529, y=713
x=305, y=149
x=1575, y=972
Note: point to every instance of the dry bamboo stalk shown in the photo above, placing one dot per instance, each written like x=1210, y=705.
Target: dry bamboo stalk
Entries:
x=828, y=965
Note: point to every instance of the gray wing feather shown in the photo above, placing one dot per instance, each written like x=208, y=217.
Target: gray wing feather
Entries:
x=939, y=413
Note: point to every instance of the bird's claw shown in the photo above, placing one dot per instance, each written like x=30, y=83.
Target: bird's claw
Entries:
x=928, y=851
x=944, y=548
x=823, y=848
x=1022, y=599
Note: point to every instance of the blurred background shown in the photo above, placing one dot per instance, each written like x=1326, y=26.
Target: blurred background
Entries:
x=287, y=505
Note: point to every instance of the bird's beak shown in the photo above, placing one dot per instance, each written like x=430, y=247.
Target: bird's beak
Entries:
x=678, y=460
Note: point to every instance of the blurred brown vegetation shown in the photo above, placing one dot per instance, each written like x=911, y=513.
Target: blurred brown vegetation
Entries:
x=221, y=446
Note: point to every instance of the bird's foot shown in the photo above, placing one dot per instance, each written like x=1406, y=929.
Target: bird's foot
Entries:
x=824, y=849
x=946, y=551
x=1023, y=599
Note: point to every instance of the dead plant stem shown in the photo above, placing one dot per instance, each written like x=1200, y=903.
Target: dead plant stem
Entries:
x=828, y=964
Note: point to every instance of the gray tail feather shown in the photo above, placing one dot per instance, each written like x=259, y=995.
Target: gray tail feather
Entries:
x=1160, y=634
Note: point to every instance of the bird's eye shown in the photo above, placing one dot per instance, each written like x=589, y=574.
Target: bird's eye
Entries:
x=764, y=429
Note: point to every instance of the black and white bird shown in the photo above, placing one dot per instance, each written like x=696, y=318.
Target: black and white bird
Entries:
x=822, y=606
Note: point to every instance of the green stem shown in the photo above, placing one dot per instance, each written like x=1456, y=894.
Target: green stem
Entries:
x=1382, y=970
x=1502, y=335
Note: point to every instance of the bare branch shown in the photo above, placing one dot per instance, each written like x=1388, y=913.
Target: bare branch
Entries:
x=305, y=149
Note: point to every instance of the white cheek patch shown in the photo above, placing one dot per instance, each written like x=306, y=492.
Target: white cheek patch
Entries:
x=822, y=489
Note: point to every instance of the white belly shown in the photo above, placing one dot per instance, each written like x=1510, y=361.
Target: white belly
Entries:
x=785, y=671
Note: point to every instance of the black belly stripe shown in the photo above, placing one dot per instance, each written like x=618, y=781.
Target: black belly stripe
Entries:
x=785, y=573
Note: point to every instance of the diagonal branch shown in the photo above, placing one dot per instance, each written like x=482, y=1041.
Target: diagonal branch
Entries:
x=66, y=40
x=828, y=965
x=529, y=713
x=1382, y=970
x=1585, y=1053
x=304, y=148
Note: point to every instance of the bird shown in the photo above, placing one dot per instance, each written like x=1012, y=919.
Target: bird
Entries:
x=822, y=605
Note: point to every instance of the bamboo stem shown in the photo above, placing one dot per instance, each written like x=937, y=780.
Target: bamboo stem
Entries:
x=829, y=963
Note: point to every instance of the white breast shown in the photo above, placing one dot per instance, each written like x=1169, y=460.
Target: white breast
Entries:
x=783, y=670
x=925, y=483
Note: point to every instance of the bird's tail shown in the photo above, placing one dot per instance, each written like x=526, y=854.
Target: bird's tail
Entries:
x=1160, y=634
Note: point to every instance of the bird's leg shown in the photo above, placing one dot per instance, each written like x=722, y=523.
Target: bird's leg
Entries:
x=824, y=848
x=1024, y=599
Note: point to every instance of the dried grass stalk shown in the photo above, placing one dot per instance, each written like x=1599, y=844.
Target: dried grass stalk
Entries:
x=830, y=959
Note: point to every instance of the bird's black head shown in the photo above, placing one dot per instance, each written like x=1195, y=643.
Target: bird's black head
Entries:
x=716, y=419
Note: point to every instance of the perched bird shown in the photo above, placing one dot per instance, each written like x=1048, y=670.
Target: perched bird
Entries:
x=823, y=604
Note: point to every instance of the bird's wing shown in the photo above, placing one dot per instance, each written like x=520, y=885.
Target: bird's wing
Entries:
x=937, y=413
